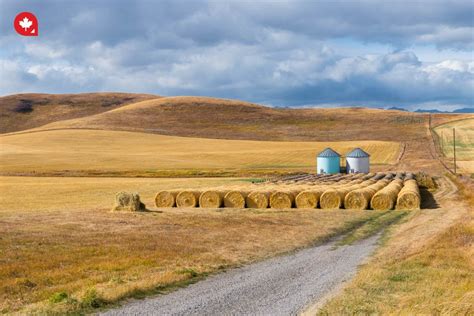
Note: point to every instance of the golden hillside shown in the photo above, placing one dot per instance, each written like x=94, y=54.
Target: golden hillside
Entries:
x=219, y=118
x=23, y=111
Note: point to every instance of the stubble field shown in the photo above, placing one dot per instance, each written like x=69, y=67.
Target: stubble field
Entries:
x=464, y=142
x=96, y=152
x=63, y=250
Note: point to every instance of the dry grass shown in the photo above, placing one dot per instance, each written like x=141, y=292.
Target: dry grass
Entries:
x=60, y=242
x=234, y=119
x=22, y=111
x=425, y=267
x=113, y=152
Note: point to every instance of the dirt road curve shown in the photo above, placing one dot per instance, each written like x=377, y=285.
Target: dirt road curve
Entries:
x=280, y=286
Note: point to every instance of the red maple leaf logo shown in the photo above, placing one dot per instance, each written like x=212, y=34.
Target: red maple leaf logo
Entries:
x=26, y=24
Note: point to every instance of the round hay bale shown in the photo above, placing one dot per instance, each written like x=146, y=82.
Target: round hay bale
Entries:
x=281, y=199
x=409, y=197
x=187, y=198
x=234, y=199
x=331, y=199
x=307, y=199
x=386, y=198
x=257, y=199
x=358, y=199
x=211, y=199
x=166, y=198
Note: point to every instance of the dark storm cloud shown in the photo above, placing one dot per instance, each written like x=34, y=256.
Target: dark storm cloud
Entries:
x=279, y=53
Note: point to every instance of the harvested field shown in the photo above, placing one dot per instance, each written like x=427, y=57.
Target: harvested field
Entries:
x=71, y=243
x=138, y=154
x=464, y=142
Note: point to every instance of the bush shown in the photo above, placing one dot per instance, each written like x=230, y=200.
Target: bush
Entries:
x=58, y=297
x=91, y=299
x=24, y=107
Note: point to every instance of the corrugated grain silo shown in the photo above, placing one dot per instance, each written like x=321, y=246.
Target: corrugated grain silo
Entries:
x=328, y=161
x=357, y=161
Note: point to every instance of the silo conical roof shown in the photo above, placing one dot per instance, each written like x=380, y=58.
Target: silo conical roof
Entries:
x=357, y=153
x=328, y=152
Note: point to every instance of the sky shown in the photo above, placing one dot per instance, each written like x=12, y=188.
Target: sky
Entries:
x=410, y=54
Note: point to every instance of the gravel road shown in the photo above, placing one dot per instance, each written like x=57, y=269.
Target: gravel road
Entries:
x=284, y=285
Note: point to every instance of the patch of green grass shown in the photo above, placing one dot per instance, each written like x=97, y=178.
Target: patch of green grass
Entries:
x=253, y=180
x=91, y=299
x=58, y=297
x=399, y=277
x=372, y=226
x=192, y=273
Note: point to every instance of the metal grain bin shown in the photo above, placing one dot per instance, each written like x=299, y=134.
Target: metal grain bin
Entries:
x=328, y=161
x=357, y=161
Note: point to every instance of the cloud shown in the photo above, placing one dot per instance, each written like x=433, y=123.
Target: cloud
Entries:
x=277, y=53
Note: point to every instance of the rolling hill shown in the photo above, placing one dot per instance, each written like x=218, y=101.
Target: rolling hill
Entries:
x=228, y=119
x=211, y=118
x=23, y=111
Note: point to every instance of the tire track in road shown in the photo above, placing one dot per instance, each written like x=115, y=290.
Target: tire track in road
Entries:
x=283, y=285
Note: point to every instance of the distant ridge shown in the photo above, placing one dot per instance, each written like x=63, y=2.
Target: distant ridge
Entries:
x=397, y=109
x=462, y=110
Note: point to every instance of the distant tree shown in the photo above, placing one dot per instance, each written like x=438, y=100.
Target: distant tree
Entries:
x=25, y=106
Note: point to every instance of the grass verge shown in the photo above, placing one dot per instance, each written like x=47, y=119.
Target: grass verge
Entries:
x=372, y=226
x=425, y=267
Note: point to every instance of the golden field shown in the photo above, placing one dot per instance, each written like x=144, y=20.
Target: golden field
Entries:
x=464, y=142
x=103, y=152
x=62, y=250
x=60, y=240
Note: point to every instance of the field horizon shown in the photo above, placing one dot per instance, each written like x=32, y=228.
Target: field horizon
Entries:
x=212, y=118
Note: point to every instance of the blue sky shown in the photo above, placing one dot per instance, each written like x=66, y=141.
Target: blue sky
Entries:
x=412, y=54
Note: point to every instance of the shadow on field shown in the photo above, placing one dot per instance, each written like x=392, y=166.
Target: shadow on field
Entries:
x=427, y=199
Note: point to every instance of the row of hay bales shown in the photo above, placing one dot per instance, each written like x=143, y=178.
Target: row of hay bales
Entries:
x=378, y=192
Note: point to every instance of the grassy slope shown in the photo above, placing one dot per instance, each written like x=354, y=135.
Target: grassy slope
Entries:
x=218, y=118
x=231, y=119
x=464, y=142
x=22, y=111
x=116, y=152
x=425, y=267
x=83, y=256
